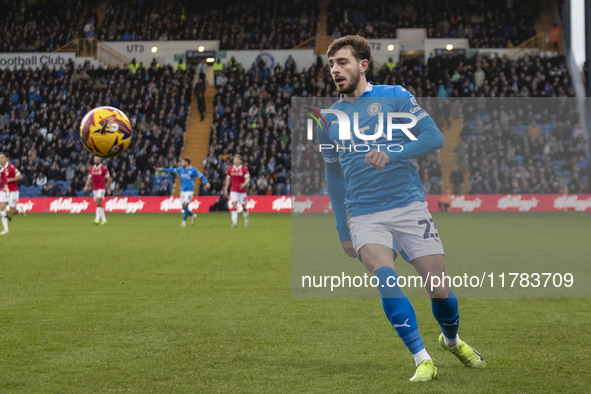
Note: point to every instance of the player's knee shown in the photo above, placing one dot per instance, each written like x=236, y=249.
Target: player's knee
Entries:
x=437, y=285
x=376, y=256
x=438, y=293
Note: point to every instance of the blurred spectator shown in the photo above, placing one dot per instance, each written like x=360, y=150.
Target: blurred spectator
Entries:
x=164, y=189
x=180, y=66
x=445, y=201
x=457, y=178
x=533, y=131
x=201, y=105
x=555, y=36
x=89, y=32
x=461, y=151
x=51, y=189
x=221, y=204
x=40, y=180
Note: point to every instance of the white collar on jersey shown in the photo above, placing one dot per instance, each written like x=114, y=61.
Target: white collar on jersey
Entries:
x=237, y=167
x=368, y=88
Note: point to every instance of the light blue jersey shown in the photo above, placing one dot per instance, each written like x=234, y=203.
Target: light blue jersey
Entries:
x=367, y=189
x=187, y=176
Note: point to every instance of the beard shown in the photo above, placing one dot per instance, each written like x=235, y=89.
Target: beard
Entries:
x=351, y=86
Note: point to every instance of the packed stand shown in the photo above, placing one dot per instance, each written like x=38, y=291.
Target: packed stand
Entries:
x=539, y=151
x=44, y=26
x=494, y=76
x=517, y=146
x=40, y=113
x=455, y=75
x=252, y=118
x=486, y=23
x=256, y=24
x=259, y=24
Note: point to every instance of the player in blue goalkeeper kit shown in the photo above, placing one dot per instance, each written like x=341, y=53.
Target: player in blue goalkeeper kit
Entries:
x=372, y=177
x=187, y=175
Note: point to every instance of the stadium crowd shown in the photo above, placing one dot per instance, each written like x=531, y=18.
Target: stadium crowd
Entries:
x=43, y=26
x=525, y=146
x=252, y=116
x=40, y=112
x=260, y=24
x=40, y=109
x=256, y=24
x=483, y=76
x=47, y=25
x=486, y=23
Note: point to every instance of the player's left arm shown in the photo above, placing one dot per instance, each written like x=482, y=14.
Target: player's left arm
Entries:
x=227, y=184
x=428, y=137
x=109, y=180
x=3, y=181
x=88, y=181
x=246, y=181
x=203, y=180
x=17, y=177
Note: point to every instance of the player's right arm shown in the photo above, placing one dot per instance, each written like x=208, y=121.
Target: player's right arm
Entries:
x=17, y=177
x=160, y=169
x=3, y=182
x=88, y=182
x=108, y=182
x=335, y=183
x=227, y=184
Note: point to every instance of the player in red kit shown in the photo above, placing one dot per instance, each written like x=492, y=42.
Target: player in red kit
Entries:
x=98, y=174
x=239, y=178
x=9, y=194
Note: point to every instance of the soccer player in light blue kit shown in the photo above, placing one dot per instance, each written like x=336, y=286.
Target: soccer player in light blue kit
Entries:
x=187, y=175
x=376, y=183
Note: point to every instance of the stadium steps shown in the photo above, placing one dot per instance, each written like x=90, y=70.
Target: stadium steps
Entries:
x=323, y=39
x=322, y=43
x=545, y=20
x=322, y=18
x=448, y=157
x=197, y=135
x=101, y=11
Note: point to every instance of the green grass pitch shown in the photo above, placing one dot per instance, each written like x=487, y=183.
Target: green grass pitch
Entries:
x=142, y=305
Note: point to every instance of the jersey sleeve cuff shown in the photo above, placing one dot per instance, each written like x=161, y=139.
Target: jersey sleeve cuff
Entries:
x=344, y=233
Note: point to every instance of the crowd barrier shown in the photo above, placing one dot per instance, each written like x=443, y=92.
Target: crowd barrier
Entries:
x=477, y=203
x=301, y=204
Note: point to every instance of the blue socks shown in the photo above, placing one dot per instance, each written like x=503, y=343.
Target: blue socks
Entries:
x=399, y=310
x=447, y=315
x=401, y=314
x=186, y=212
